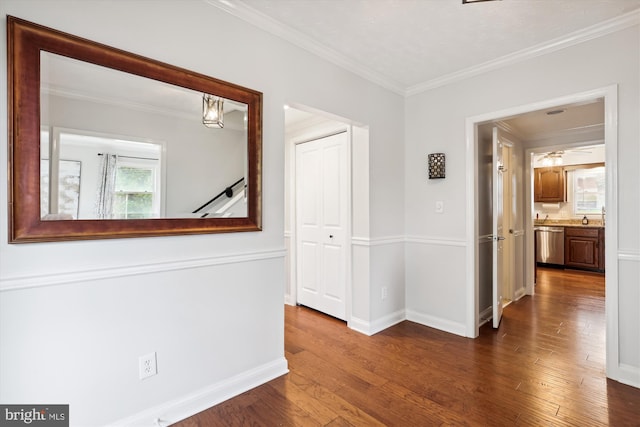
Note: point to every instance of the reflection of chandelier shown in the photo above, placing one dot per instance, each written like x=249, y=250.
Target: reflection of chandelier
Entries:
x=553, y=158
x=212, y=113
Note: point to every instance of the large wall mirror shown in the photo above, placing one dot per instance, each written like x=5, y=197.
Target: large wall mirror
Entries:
x=108, y=144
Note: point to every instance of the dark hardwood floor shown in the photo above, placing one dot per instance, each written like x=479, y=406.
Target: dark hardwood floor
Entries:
x=544, y=366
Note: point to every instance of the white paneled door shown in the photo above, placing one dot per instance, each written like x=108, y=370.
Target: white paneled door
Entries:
x=321, y=223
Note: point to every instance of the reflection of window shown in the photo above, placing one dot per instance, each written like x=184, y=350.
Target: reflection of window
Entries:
x=136, y=189
x=588, y=190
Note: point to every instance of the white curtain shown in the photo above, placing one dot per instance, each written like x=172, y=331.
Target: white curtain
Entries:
x=106, y=186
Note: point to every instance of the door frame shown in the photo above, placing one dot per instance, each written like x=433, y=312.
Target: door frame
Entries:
x=610, y=96
x=498, y=249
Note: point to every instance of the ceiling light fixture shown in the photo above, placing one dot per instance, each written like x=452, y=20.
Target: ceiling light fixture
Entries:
x=553, y=158
x=212, y=112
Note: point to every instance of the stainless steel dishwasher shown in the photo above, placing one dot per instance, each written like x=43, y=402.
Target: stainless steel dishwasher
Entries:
x=550, y=245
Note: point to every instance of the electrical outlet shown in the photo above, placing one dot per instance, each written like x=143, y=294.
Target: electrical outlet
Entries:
x=384, y=293
x=147, y=366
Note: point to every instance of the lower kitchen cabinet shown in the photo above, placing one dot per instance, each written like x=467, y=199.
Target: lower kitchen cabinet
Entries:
x=584, y=248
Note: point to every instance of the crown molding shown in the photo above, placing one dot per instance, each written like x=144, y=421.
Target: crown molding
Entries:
x=589, y=33
x=242, y=11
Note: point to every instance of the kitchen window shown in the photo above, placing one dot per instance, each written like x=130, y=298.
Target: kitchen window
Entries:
x=588, y=190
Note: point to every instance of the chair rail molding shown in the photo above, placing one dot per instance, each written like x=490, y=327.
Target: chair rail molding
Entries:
x=62, y=278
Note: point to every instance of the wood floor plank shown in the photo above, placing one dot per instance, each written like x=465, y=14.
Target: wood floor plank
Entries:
x=544, y=366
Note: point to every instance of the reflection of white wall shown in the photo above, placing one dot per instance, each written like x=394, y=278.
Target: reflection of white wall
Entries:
x=200, y=162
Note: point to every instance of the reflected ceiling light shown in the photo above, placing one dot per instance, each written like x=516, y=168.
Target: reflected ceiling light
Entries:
x=212, y=113
x=553, y=158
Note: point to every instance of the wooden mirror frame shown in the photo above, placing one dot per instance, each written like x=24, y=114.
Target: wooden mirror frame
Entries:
x=25, y=41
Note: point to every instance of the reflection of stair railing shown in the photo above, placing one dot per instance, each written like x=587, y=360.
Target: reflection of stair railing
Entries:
x=226, y=192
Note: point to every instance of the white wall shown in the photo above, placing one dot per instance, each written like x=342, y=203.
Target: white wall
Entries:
x=435, y=122
x=210, y=305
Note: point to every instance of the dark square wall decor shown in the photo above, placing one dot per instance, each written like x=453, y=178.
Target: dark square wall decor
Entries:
x=436, y=165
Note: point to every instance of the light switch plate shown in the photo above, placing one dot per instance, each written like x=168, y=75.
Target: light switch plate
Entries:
x=439, y=206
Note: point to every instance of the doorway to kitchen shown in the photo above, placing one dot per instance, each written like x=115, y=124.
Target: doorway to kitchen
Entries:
x=608, y=95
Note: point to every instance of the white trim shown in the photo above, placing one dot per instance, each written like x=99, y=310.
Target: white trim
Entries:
x=598, y=30
x=629, y=255
x=629, y=375
x=377, y=241
x=519, y=293
x=612, y=363
x=371, y=328
x=445, y=325
x=394, y=240
x=186, y=406
x=52, y=279
x=610, y=95
x=436, y=241
x=359, y=325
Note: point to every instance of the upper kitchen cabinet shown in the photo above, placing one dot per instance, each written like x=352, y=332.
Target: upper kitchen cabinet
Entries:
x=549, y=185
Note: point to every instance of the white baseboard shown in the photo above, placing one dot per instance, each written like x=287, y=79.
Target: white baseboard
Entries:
x=520, y=293
x=372, y=328
x=629, y=375
x=184, y=407
x=437, y=323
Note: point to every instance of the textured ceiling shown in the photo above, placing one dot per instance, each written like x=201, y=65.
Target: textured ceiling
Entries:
x=406, y=43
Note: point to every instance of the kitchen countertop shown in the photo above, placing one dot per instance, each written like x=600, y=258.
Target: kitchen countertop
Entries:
x=593, y=223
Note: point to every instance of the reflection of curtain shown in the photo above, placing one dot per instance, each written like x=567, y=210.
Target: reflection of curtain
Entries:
x=106, y=186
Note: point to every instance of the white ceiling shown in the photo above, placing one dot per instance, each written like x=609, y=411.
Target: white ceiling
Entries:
x=573, y=117
x=406, y=44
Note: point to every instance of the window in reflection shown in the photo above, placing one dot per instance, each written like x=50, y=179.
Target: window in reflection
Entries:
x=120, y=179
x=136, y=192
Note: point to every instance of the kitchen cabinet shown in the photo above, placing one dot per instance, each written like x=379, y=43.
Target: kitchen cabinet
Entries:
x=584, y=248
x=549, y=184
